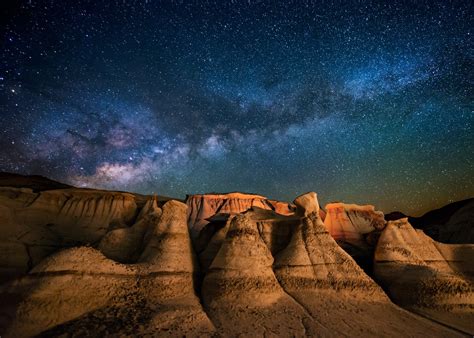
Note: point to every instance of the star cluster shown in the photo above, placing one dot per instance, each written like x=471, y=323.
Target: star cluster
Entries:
x=364, y=102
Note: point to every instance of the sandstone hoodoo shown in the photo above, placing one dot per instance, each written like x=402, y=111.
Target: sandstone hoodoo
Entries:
x=426, y=276
x=274, y=229
x=170, y=268
x=318, y=274
x=349, y=222
x=82, y=291
x=242, y=294
x=356, y=229
x=124, y=244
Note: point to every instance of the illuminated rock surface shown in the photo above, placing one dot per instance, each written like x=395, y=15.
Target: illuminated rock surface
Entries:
x=134, y=269
x=202, y=207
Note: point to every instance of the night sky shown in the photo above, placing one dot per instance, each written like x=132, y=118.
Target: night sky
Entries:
x=362, y=103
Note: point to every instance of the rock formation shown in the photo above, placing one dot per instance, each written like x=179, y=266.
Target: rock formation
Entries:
x=125, y=244
x=425, y=276
x=274, y=229
x=356, y=229
x=318, y=274
x=35, y=224
x=79, y=290
x=349, y=222
x=65, y=286
x=202, y=207
x=120, y=264
x=241, y=293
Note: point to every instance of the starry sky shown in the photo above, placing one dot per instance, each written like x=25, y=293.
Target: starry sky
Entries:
x=362, y=102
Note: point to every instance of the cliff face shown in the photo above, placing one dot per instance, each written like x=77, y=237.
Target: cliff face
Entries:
x=202, y=207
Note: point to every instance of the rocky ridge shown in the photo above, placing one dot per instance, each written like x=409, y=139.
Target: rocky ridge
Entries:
x=139, y=270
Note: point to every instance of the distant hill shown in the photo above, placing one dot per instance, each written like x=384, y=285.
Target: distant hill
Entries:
x=453, y=223
x=34, y=182
x=39, y=183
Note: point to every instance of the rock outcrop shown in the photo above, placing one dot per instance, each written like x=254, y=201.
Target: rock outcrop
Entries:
x=307, y=204
x=349, y=222
x=356, y=229
x=327, y=282
x=241, y=293
x=427, y=277
x=35, y=224
x=118, y=264
x=79, y=290
x=274, y=229
x=65, y=286
x=125, y=244
x=202, y=207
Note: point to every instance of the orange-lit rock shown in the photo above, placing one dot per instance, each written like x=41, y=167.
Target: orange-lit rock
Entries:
x=242, y=295
x=202, y=207
x=307, y=204
x=349, y=222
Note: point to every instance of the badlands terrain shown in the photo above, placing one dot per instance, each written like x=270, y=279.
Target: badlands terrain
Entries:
x=85, y=262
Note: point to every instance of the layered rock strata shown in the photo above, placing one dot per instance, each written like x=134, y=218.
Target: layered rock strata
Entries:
x=318, y=274
x=202, y=207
